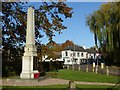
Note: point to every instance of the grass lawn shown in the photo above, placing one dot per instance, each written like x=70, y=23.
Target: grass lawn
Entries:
x=83, y=76
x=58, y=87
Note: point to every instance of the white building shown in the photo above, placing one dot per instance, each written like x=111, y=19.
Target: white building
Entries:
x=76, y=55
x=45, y=59
x=91, y=53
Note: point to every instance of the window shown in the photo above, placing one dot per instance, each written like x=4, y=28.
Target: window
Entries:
x=75, y=60
x=68, y=60
x=74, y=54
x=66, y=53
x=81, y=54
x=78, y=54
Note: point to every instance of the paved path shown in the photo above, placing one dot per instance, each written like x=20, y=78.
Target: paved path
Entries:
x=49, y=81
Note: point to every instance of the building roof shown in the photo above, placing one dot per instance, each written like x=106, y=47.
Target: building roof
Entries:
x=80, y=48
x=75, y=48
x=91, y=50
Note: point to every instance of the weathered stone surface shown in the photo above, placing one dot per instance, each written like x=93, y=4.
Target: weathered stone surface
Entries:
x=30, y=49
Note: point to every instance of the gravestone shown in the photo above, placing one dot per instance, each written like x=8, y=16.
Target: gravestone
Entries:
x=30, y=48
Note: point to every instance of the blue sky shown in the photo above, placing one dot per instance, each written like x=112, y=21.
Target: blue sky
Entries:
x=77, y=31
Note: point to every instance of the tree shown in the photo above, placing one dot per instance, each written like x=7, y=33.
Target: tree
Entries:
x=105, y=24
x=53, y=49
x=49, y=18
x=67, y=43
x=91, y=22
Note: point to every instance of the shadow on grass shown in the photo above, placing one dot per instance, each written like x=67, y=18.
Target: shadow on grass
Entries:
x=67, y=88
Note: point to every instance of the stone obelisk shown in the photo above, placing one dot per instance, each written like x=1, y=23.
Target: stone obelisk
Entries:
x=30, y=49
